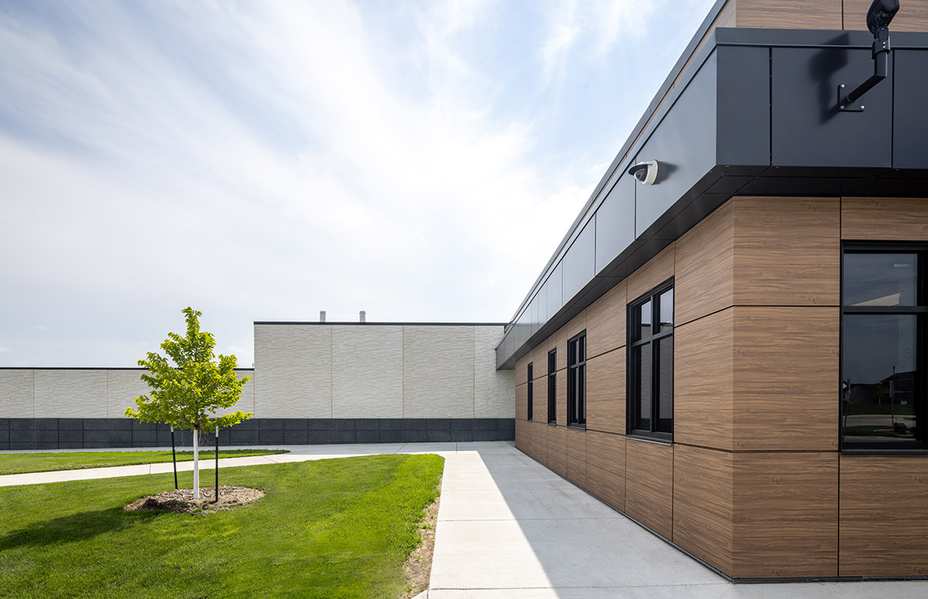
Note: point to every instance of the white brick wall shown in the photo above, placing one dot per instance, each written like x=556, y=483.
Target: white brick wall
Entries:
x=79, y=393
x=17, y=399
x=380, y=371
x=367, y=373
x=295, y=366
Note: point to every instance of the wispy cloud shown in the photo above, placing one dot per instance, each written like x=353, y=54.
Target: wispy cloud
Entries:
x=266, y=160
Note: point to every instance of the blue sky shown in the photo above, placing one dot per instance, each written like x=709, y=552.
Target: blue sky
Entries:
x=264, y=161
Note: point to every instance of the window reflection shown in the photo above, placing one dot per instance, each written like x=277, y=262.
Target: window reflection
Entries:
x=880, y=388
x=644, y=320
x=879, y=279
x=665, y=310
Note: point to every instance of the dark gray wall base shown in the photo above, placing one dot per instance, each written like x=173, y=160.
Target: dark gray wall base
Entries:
x=86, y=433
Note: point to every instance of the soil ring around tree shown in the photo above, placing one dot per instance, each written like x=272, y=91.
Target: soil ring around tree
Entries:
x=182, y=501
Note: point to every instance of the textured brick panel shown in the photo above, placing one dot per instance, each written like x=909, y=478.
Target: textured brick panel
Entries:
x=70, y=393
x=493, y=389
x=122, y=387
x=438, y=372
x=16, y=393
x=367, y=371
x=295, y=366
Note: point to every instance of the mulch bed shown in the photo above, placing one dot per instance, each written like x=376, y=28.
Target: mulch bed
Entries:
x=182, y=501
x=418, y=565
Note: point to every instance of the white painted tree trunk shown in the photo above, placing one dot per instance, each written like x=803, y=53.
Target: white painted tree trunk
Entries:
x=196, y=464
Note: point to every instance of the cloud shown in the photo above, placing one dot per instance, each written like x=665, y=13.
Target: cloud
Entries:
x=259, y=161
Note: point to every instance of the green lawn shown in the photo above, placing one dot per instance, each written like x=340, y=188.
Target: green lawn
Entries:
x=18, y=463
x=339, y=528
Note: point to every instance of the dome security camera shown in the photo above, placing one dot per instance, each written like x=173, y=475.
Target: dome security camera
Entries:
x=646, y=172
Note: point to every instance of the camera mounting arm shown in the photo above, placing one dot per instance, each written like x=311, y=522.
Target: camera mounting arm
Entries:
x=879, y=16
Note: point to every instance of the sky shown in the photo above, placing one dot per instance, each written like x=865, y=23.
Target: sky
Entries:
x=267, y=160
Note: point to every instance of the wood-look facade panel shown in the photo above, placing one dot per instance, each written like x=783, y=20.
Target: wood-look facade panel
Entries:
x=605, y=392
x=703, y=504
x=912, y=15
x=606, y=451
x=657, y=270
x=884, y=516
x=649, y=485
x=576, y=457
x=786, y=251
x=789, y=14
x=704, y=399
x=606, y=322
x=703, y=281
x=785, y=377
x=887, y=219
x=785, y=515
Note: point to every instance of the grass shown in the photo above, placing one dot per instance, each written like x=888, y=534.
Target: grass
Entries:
x=19, y=463
x=334, y=529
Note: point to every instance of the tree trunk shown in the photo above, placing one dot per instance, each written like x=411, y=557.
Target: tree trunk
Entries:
x=196, y=463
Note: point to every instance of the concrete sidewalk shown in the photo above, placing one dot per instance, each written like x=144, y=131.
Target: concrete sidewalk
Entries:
x=508, y=528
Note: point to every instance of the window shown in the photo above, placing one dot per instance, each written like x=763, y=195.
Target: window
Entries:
x=552, y=386
x=531, y=398
x=576, y=380
x=650, y=364
x=883, y=371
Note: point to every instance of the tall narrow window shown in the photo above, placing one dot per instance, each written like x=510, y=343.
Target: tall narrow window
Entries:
x=576, y=380
x=552, y=386
x=883, y=370
x=650, y=364
x=530, y=392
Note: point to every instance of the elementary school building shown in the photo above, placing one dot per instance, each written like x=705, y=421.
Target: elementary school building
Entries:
x=729, y=346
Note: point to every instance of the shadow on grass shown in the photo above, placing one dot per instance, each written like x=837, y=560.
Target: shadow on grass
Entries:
x=76, y=527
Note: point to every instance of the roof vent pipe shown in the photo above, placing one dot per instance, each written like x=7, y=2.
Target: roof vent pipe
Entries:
x=321, y=315
x=362, y=316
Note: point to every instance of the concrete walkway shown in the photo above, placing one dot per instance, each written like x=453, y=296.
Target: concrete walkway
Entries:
x=508, y=528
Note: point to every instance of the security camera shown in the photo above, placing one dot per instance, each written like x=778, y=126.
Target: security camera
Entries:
x=646, y=172
x=881, y=14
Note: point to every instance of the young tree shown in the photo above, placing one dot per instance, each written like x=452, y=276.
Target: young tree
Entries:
x=190, y=386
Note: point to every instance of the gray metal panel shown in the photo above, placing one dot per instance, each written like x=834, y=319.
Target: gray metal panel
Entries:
x=684, y=143
x=580, y=260
x=910, y=115
x=615, y=222
x=743, y=105
x=808, y=130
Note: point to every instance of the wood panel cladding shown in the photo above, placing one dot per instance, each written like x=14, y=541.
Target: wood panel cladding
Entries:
x=556, y=449
x=884, y=516
x=605, y=392
x=606, y=468
x=654, y=272
x=576, y=457
x=540, y=394
x=704, y=387
x=649, y=485
x=786, y=251
x=704, y=266
x=576, y=325
x=912, y=15
x=785, y=377
x=561, y=399
x=703, y=504
x=789, y=14
x=886, y=219
x=785, y=515
x=606, y=322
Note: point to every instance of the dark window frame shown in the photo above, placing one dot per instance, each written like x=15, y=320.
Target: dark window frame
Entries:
x=633, y=327
x=530, y=392
x=576, y=380
x=920, y=311
x=552, y=386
